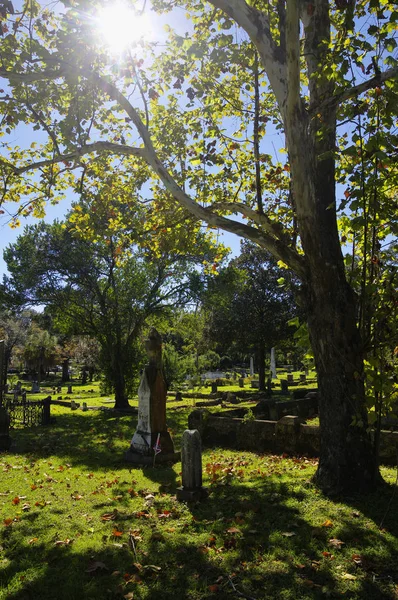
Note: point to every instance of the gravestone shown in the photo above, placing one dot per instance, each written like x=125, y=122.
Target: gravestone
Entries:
x=191, y=463
x=35, y=388
x=152, y=441
x=303, y=378
x=284, y=385
x=84, y=407
x=290, y=378
x=59, y=390
x=178, y=397
x=251, y=366
x=213, y=387
x=70, y=391
x=273, y=364
x=18, y=387
x=241, y=382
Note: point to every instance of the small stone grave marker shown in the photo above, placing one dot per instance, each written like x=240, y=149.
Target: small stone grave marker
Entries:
x=191, y=462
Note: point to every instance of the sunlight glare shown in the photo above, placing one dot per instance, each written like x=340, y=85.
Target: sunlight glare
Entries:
x=120, y=27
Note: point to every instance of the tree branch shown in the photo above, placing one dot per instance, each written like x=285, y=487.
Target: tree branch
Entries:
x=276, y=247
x=76, y=154
x=356, y=90
x=256, y=25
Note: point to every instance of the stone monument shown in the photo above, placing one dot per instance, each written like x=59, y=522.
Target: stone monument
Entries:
x=151, y=442
x=191, y=462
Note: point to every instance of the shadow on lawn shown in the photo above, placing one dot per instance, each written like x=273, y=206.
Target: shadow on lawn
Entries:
x=235, y=538
x=97, y=440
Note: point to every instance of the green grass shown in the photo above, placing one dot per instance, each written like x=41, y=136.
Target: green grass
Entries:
x=79, y=523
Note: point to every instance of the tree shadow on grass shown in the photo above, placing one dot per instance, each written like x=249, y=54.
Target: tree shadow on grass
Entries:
x=248, y=539
x=93, y=440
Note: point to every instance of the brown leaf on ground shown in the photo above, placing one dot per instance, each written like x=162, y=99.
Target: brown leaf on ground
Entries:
x=96, y=566
x=109, y=516
x=336, y=543
x=65, y=542
x=233, y=530
x=16, y=500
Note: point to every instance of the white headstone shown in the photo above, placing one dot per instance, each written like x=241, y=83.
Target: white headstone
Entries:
x=251, y=366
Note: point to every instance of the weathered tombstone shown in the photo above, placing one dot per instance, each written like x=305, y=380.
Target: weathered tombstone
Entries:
x=290, y=378
x=152, y=441
x=273, y=364
x=178, y=397
x=284, y=385
x=255, y=383
x=191, y=462
x=46, y=418
x=70, y=391
x=241, y=382
x=35, y=388
x=84, y=407
x=73, y=405
x=303, y=378
x=251, y=366
x=59, y=390
x=231, y=398
x=213, y=387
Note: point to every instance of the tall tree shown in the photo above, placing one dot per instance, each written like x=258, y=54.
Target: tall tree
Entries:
x=250, y=306
x=243, y=67
x=90, y=289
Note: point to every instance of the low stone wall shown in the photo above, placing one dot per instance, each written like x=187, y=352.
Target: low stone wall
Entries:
x=289, y=435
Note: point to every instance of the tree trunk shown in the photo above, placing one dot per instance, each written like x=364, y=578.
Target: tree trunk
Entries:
x=261, y=368
x=347, y=462
x=119, y=384
x=65, y=370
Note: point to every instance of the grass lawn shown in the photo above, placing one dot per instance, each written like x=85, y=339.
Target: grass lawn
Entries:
x=78, y=523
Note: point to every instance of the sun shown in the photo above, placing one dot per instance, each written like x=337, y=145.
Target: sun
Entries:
x=119, y=26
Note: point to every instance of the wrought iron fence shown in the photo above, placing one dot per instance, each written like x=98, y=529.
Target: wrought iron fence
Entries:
x=27, y=413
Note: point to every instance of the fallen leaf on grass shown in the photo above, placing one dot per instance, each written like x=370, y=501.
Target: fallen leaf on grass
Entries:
x=117, y=533
x=348, y=576
x=357, y=558
x=16, y=500
x=214, y=588
x=26, y=506
x=109, y=516
x=234, y=530
x=336, y=543
x=96, y=566
x=328, y=555
x=288, y=533
x=311, y=584
x=327, y=523
x=65, y=542
x=129, y=596
x=7, y=522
